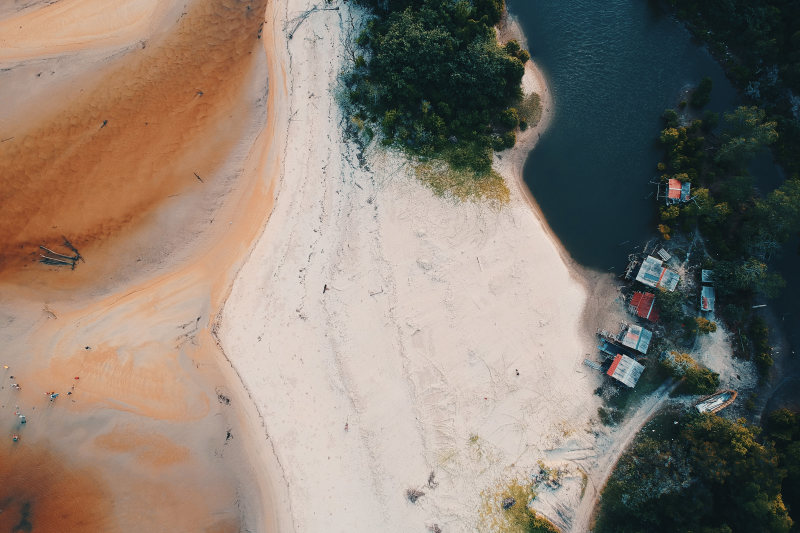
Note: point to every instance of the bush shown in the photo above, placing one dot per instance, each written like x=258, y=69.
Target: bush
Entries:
x=509, y=118
x=509, y=139
x=705, y=325
x=670, y=117
x=700, y=380
x=696, y=379
x=608, y=416
x=702, y=94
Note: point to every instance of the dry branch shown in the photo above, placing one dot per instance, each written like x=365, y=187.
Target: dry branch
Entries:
x=303, y=16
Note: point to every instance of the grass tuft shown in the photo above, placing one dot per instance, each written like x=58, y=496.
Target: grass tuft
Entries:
x=519, y=518
x=463, y=184
x=530, y=109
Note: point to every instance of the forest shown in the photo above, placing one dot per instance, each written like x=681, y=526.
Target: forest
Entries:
x=742, y=230
x=430, y=78
x=690, y=472
x=701, y=473
x=758, y=44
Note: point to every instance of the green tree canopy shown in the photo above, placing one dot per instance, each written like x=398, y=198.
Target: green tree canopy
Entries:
x=746, y=131
x=436, y=80
x=705, y=474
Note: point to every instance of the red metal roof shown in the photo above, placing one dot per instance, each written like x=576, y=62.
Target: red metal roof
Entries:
x=674, y=189
x=643, y=304
x=614, y=365
x=636, y=300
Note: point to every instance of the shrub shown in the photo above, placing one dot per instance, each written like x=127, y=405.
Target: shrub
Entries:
x=702, y=94
x=670, y=117
x=509, y=118
x=509, y=139
x=705, y=325
x=699, y=380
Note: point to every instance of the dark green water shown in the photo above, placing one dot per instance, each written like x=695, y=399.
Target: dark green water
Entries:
x=613, y=67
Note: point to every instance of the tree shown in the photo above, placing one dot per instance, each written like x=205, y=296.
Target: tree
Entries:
x=704, y=474
x=780, y=210
x=750, y=276
x=670, y=117
x=746, y=131
x=670, y=305
x=702, y=94
x=744, y=473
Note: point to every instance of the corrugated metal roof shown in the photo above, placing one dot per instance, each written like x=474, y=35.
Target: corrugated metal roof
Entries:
x=707, y=276
x=674, y=189
x=669, y=279
x=626, y=370
x=678, y=191
x=614, y=364
x=653, y=274
x=686, y=189
x=650, y=271
x=637, y=337
x=643, y=304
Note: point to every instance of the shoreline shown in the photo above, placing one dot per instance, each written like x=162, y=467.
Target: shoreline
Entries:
x=378, y=328
x=512, y=163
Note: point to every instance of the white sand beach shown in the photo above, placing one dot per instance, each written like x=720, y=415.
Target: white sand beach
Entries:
x=386, y=334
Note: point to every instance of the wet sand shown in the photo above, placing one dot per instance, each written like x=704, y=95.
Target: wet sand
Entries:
x=162, y=201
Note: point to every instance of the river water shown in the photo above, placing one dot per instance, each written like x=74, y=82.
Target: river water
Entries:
x=613, y=67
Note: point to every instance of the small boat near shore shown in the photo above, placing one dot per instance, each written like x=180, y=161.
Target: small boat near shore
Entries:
x=716, y=402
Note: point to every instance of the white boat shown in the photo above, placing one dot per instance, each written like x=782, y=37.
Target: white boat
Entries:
x=716, y=402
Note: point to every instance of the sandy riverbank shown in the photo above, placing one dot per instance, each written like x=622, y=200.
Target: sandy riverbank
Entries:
x=386, y=334
x=157, y=433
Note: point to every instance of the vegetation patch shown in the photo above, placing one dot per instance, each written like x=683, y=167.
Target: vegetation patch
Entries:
x=742, y=229
x=506, y=508
x=692, y=472
x=530, y=110
x=463, y=184
x=430, y=78
x=696, y=379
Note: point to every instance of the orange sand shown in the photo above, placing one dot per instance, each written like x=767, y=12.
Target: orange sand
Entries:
x=157, y=412
x=172, y=110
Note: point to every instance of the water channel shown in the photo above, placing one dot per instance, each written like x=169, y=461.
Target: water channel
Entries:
x=613, y=67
